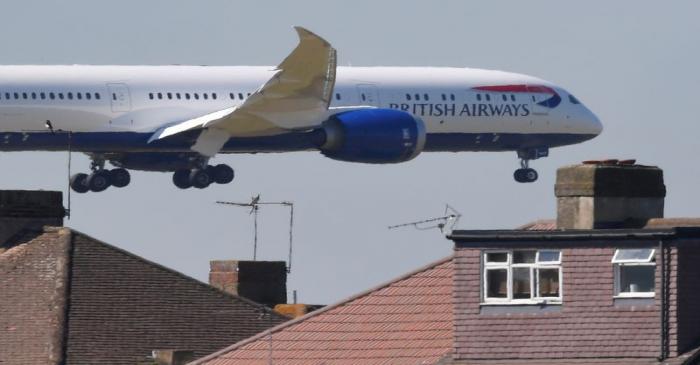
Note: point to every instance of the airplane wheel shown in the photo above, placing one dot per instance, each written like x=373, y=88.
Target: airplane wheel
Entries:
x=199, y=178
x=78, y=183
x=181, y=179
x=223, y=174
x=531, y=175
x=98, y=181
x=525, y=175
x=120, y=177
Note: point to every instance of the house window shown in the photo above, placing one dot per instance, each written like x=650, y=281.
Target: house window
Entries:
x=635, y=271
x=522, y=276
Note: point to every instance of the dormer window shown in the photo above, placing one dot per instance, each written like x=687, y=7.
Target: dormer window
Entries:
x=635, y=270
x=522, y=276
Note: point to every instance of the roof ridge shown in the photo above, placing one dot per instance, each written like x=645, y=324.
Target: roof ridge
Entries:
x=175, y=272
x=323, y=310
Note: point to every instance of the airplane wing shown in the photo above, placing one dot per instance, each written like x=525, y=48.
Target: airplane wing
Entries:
x=296, y=97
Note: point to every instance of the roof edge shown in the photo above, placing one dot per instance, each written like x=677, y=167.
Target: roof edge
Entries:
x=320, y=311
x=583, y=234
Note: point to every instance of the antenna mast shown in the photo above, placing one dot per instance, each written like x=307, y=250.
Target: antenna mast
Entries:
x=254, y=205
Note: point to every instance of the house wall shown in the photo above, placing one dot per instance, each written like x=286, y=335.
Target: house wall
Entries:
x=689, y=296
x=588, y=323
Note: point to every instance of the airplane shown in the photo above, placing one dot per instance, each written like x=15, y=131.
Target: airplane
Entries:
x=176, y=118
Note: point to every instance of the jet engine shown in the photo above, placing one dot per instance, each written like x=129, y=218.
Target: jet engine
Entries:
x=373, y=136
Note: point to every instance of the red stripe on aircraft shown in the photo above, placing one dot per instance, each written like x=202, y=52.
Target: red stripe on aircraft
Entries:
x=518, y=89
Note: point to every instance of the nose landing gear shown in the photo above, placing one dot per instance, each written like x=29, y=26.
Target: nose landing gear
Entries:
x=201, y=178
x=525, y=174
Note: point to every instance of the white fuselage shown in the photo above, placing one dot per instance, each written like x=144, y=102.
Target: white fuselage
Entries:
x=142, y=99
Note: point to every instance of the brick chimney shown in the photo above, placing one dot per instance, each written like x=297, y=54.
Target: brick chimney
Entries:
x=263, y=282
x=20, y=209
x=608, y=194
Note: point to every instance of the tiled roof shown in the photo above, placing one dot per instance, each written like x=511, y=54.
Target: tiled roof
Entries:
x=119, y=306
x=551, y=224
x=32, y=302
x=406, y=321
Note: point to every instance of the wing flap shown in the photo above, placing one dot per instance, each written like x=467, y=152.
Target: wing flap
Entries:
x=297, y=96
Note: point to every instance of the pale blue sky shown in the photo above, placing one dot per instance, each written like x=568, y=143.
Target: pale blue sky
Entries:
x=634, y=63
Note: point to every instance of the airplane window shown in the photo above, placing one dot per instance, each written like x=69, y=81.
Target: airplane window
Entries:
x=417, y=97
x=42, y=96
x=478, y=97
x=34, y=96
x=230, y=95
x=240, y=96
x=16, y=96
x=87, y=96
x=187, y=96
x=425, y=97
x=444, y=97
x=7, y=96
x=364, y=97
x=573, y=99
x=408, y=96
x=177, y=95
x=170, y=96
x=505, y=98
x=52, y=96
x=196, y=96
x=160, y=96
x=488, y=97
x=24, y=96
x=213, y=96
x=79, y=95
x=512, y=97
x=337, y=96
x=205, y=96
x=452, y=97
x=248, y=94
x=70, y=96
x=97, y=96
x=60, y=96
x=533, y=98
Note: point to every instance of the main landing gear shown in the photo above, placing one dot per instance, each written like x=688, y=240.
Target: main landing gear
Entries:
x=525, y=174
x=100, y=178
x=201, y=178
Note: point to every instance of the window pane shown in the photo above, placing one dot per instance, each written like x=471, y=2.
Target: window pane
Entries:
x=496, y=283
x=637, y=279
x=521, y=283
x=496, y=257
x=523, y=257
x=548, y=282
x=635, y=254
x=548, y=256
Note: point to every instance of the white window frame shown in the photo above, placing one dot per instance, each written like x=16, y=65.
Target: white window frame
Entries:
x=534, y=267
x=617, y=264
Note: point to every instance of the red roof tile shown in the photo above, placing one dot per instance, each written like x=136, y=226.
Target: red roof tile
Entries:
x=406, y=321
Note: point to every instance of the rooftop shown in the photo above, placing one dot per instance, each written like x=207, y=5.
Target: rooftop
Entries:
x=408, y=318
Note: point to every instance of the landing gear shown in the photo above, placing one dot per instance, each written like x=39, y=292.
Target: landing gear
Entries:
x=100, y=179
x=525, y=174
x=201, y=178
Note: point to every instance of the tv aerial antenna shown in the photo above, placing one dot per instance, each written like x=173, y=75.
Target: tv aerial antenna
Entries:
x=254, y=205
x=444, y=223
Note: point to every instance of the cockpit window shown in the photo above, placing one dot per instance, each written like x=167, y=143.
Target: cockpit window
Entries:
x=573, y=99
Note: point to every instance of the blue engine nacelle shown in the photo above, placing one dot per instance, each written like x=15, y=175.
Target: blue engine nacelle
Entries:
x=373, y=136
